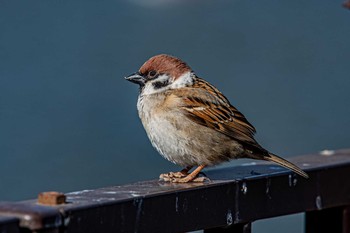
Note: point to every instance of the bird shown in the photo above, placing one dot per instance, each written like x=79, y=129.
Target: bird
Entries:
x=191, y=123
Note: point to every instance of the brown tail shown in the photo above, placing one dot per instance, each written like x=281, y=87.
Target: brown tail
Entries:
x=286, y=164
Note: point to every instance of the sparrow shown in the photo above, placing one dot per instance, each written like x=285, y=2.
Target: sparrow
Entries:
x=191, y=123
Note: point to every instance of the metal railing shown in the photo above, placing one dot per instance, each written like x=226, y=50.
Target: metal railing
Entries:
x=233, y=199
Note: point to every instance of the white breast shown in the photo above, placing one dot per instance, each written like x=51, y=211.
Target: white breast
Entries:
x=164, y=131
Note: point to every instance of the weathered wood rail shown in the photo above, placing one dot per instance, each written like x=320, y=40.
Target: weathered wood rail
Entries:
x=234, y=198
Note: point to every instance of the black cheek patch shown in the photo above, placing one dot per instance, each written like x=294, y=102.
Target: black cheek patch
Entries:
x=159, y=84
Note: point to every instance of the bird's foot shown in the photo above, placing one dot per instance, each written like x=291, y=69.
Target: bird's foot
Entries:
x=180, y=177
x=173, y=175
x=183, y=176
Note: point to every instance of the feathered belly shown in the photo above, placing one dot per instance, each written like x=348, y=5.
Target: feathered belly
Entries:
x=169, y=141
x=188, y=144
x=182, y=141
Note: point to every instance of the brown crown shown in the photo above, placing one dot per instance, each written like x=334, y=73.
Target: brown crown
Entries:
x=165, y=64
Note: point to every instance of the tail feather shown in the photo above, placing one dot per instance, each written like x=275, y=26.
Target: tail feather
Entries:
x=286, y=164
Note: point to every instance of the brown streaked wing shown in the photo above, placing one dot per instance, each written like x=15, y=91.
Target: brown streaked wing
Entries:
x=206, y=105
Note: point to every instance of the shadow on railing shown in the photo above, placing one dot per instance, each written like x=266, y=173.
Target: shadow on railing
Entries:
x=230, y=202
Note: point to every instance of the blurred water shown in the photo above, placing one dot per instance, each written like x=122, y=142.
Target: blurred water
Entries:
x=68, y=120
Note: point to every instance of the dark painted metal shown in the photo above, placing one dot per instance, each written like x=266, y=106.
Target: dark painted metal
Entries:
x=9, y=225
x=235, y=195
x=322, y=221
x=335, y=220
x=346, y=219
x=31, y=215
x=234, y=228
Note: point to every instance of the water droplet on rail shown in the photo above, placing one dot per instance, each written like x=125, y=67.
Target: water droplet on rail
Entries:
x=327, y=152
x=267, y=191
x=177, y=204
x=248, y=164
x=318, y=202
x=244, y=188
x=293, y=180
x=229, y=219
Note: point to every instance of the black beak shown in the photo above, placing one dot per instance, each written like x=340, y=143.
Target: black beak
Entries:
x=136, y=78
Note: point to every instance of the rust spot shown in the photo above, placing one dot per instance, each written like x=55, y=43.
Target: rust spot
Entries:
x=51, y=198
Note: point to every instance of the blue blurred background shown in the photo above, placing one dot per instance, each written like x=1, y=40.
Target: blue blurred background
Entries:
x=68, y=119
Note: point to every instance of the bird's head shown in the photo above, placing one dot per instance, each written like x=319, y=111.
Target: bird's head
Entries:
x=161, y=73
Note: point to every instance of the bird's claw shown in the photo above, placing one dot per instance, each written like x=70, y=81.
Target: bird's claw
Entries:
x=172, y=175
x=180, y=177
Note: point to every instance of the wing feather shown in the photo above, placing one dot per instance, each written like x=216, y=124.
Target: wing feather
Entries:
x=206, y=105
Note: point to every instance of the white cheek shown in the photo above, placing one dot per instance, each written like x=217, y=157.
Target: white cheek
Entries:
x=184, y=80
x=149, y=88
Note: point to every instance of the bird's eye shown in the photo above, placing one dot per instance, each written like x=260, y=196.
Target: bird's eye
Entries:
x=152, y=74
